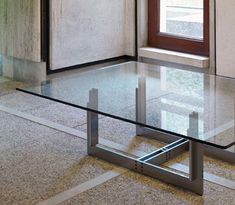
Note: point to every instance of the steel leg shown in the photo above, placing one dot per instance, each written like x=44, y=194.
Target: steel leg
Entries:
x=92, y=122
x=140, y=104
x=196, y=166
x=196, y=154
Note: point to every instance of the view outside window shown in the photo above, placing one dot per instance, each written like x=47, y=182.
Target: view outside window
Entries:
x=182, y=18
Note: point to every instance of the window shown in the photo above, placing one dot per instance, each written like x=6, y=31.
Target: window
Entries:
x=180, y=25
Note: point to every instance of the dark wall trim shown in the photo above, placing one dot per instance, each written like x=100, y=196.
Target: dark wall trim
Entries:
x=45, y=30
x=215, y=36
x=124, y=58
x=136, y=30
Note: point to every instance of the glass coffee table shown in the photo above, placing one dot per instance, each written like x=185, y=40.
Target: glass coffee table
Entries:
x=188, y=111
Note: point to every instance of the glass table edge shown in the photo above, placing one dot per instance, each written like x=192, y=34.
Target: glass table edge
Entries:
x=128, y=121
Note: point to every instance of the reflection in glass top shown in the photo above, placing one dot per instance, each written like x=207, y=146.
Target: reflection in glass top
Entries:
x=169, y=95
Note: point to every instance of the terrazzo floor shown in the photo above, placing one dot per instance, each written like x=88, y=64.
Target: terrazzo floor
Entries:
x=37, y=162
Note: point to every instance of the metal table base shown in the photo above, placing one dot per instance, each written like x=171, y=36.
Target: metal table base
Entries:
x=150, y=164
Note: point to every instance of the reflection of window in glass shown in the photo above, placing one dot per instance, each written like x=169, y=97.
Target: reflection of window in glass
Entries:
x=183, y=83
x=178, y=123
x=174, y=122
x=182, y=18
x=186, y=96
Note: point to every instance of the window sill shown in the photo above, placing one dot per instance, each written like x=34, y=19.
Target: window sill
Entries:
x=174, y=57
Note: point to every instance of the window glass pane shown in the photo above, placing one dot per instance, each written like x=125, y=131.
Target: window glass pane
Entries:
x=182, y=18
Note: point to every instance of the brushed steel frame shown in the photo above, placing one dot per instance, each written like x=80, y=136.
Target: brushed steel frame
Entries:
x=150, y=164
x=146, y=164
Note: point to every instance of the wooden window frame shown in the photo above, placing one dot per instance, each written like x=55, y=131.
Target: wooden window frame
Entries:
x=172, y=42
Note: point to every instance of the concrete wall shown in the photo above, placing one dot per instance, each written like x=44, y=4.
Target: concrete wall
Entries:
x=20, y=29
x=84, y=31
x=0, y=65
x=20, y=40
x=108, y=31
x=225, y=38
x=24, y=70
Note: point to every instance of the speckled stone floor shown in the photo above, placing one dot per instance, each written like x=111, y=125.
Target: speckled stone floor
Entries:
x=37, y=162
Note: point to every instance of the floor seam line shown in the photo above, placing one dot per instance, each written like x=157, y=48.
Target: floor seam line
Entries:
x=68, y=194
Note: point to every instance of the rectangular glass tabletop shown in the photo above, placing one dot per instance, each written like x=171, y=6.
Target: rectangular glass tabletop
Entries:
x=168, y=97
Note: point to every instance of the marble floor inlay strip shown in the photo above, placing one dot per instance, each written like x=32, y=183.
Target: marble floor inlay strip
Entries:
x=61, y=128
x=43, y=122
x=207, y=176
x=64, y=196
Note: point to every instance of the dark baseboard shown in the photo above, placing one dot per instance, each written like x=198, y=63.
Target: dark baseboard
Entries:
x=125, y=57
x=45, y=31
